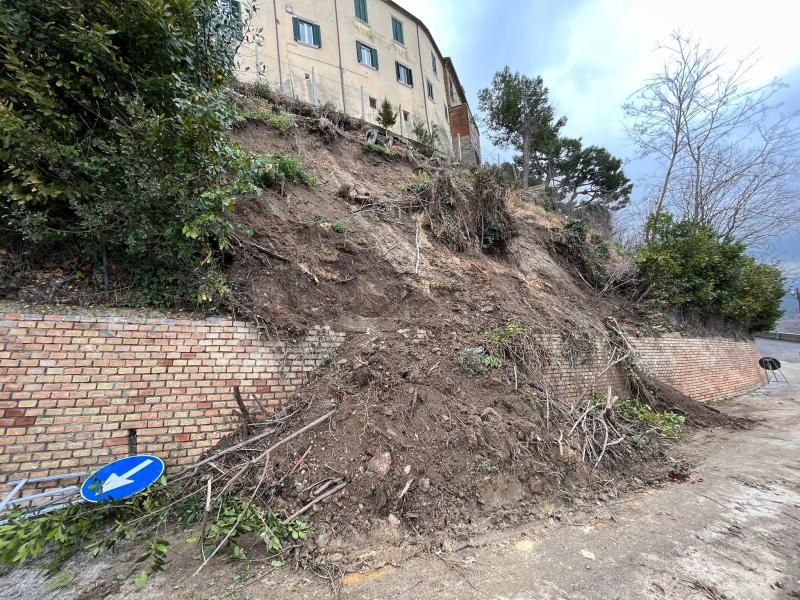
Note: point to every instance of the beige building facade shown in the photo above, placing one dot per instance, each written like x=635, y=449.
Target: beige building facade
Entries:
x=353, y=54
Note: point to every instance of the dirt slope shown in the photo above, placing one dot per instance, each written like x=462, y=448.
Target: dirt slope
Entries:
x=431, y=445
x=370, y=272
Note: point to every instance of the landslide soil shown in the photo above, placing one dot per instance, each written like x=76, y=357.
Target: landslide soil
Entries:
x=433, y=451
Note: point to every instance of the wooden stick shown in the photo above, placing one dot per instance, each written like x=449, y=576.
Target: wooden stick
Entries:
x=300, y=461
x=242, y=409
x=205, y=517
x=416, y=267
x=313, y=502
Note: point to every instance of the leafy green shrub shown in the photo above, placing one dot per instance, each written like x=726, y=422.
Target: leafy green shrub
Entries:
x=472, y=361
x=258, y=89
x=687, y=265
x=503, y=333
x=666, y=424
x=61, y=534
x=492, y=361
x=340, y=120
x=420, y=183
x=379, y=150
x=428, y=139
x=274, y=170
x=64, y=532
x=113, y=137
x=247, y=519
x=281, y=122
x=341, y=228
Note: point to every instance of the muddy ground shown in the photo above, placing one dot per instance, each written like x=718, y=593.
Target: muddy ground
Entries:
x=732, y=531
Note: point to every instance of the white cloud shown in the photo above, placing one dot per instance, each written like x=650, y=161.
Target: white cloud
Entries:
x=611, y=50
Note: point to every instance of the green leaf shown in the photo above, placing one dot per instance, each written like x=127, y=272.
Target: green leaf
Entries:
x=141, y=580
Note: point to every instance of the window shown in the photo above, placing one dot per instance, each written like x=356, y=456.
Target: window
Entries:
x=446, y=111
x=435, y=64
x=397, y=31
x=367, y=56
x=307, y=33
x=234, y=8
x=404, y=75
x=361, y=10
x=406, y=117
x=429, y=86
x=373, y=103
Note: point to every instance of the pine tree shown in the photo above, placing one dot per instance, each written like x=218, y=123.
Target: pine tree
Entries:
x=386, y=115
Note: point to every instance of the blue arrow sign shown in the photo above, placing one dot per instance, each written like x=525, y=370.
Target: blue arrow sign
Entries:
x=122, y=478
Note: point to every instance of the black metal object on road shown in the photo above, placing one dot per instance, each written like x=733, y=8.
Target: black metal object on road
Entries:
x=773, y=367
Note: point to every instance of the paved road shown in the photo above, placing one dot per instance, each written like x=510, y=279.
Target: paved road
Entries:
x=732, y=532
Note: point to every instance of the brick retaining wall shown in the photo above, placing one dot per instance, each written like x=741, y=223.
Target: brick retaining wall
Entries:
x=77, y=390
x=703, y=368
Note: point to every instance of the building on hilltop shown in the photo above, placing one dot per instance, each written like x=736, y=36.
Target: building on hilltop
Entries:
x=466, y=138
x=356, y=53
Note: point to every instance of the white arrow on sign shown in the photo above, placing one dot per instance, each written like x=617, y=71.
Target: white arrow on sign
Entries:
x=115, y=481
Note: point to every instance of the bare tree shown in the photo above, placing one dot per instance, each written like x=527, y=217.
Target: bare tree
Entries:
x=728, y=156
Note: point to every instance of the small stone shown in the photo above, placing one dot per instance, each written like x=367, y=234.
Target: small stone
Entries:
x=380, y=464
x=394, y=521
x=407, y=470
x=489, y=412
x=424, y=484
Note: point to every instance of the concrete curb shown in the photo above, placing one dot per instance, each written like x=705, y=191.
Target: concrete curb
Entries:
x=774, y=335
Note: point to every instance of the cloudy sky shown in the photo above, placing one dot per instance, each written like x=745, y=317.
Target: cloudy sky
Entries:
x=594, y=53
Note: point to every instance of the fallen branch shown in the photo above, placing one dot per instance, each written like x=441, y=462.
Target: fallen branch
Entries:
x=238, y=519
x=265, y=455
x=314, y=502
x=193, y=469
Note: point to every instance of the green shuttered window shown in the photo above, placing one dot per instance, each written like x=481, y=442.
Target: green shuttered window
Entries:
x=404, y=74
x=367, y=56
x=397, y=31
x=307, y=33
x=361, y=10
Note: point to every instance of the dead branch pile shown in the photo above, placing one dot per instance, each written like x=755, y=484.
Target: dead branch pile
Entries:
x=466, y=212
